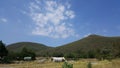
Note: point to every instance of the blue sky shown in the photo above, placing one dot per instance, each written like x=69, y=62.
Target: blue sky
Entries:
x=57, y=22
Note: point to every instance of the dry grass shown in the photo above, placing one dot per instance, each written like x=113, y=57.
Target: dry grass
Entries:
x=76, y=64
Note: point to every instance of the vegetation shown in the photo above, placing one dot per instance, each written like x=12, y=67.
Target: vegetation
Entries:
x=89, y=65
x=8, y=56
x=93, y=46
x=76, y=64
x=27, y=53
x=37, y=48
x=3, y=52
x=67, y=65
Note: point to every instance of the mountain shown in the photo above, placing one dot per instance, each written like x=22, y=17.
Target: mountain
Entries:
x=91, y=43
x=36, y=47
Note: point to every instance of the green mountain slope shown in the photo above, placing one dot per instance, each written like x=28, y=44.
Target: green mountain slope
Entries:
x=36, y=47
x=92, y=42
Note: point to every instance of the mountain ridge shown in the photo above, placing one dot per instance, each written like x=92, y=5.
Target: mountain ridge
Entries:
x=91, y=42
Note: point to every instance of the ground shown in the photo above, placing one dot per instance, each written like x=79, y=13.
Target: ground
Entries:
x=76, y=64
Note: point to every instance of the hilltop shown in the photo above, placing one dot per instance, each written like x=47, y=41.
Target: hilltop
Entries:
x=36, y=47
x=90, y=42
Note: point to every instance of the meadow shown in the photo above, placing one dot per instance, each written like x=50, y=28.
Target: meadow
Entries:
x=76, y=64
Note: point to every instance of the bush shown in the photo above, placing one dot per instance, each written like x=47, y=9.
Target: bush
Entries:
x=6, y=60
x=89, y=65
x=67, y=65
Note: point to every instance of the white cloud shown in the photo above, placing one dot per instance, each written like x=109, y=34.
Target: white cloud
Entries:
x=4, y=20
x=51, y=18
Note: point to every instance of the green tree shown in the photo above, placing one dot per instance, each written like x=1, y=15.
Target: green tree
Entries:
x=71, y=55
x=106, y=54
x=13, y=55
x=27, y=53
x=91, y=54
x=57, y=54
x=3, y=50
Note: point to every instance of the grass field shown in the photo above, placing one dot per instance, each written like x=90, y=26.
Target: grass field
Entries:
x=76, y=64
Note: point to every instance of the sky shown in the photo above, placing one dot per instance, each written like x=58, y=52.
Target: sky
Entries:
x=57, y=22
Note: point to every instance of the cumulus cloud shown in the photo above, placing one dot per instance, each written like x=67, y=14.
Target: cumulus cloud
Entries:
x=52, y=18
x=3, y=20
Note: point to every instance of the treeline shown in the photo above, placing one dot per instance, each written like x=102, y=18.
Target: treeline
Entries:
x=100, y=53
x=9, y=56
x=89, y=47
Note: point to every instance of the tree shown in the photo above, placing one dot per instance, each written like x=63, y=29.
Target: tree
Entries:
x=71, y=55
x=106, y=54
x=27, y=53
x=91, y=54
x=3, y=50
x=57, y=54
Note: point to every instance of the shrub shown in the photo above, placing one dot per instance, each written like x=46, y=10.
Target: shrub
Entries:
x=67, y=65
x=6, y=59
x=89, y=65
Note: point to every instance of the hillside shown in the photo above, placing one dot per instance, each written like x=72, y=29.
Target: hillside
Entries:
x=93, y=43
x=36, y=47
